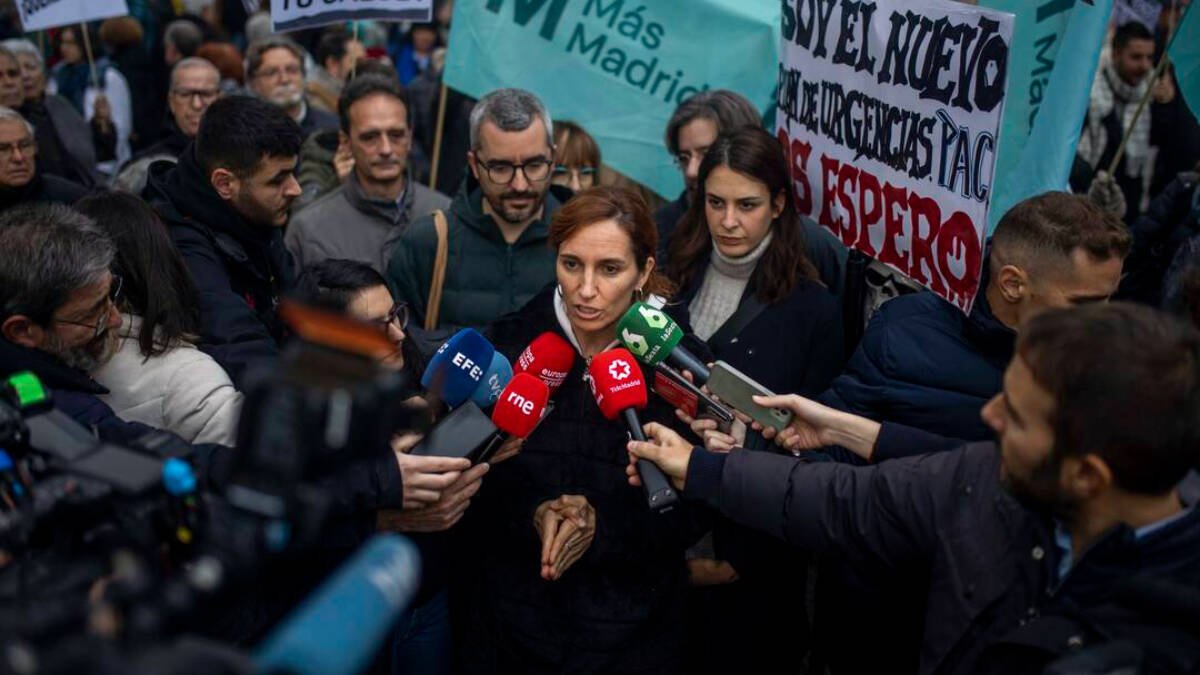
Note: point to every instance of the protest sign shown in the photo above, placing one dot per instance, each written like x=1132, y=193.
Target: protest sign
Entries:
x=42, y=14
x=889, y=112
x=1185, y=53
x=1052, y=62
x=1144, y=12
x=289, y=15
x=617, y=68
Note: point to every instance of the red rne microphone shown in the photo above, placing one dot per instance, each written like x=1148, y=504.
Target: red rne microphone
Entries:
x=549, y=358
x=520, y=406
x=620, y=391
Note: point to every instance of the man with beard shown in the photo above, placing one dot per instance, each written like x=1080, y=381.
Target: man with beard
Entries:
x=225, y=203
x=20, y=180
x=275, y=73
x=361, y=219
x=498, y=222
x=1066, y=535
x=58, y=316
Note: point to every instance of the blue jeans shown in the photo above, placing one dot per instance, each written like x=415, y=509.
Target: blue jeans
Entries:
x=421, y=639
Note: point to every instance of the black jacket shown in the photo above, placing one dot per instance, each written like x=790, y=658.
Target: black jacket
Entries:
x=239, y=269
x=924, y=363
x=42, y=188
x=1157, y=236
x=995, y=602
x=618, y=609
x=172, y=142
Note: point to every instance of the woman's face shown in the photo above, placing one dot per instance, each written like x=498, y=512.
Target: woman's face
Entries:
x=32, y=77
x=598, y=275
x=374, y=305
x=69, y=47
x=739, y=210
x=575, y=177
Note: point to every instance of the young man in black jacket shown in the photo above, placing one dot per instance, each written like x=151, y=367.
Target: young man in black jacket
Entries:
x=225, y=204
x=1068, y=534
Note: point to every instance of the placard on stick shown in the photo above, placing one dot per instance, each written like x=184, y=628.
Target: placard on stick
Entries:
x=290, y=15
x=42, y=14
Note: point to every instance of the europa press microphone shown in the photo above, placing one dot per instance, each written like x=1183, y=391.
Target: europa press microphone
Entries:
x=620, y=390
x=653, y=337
x=549, y=358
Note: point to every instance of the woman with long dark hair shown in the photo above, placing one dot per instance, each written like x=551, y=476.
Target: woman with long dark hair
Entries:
x=158, y=376
x=739, y=258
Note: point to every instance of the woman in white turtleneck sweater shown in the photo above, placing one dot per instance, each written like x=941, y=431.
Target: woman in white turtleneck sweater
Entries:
x=738, y=258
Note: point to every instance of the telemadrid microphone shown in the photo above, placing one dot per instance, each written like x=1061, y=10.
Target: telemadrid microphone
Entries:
x=341, y=625
x=620, y=391
x=458, y=366
x=493, y=383
x=653, y=337
x=549, y=357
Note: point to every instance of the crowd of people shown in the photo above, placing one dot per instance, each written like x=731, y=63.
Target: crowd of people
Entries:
x=1006, y=490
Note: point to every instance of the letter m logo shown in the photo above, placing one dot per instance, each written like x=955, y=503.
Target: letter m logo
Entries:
x=524, y=10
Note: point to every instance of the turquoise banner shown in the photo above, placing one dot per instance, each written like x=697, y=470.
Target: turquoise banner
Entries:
x=1055, y=51
x=618, y=67
x=1185, y=57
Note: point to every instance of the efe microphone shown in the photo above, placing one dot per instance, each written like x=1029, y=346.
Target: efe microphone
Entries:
x=620, y=391
x=458, y=366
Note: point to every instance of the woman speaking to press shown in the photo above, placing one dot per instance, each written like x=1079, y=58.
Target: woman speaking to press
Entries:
x=573, y=571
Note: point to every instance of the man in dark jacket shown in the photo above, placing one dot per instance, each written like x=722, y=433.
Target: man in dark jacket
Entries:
x=1067, y=534
x=20, y=180
x=498, y=222
x=924, y=364
x=225, y=204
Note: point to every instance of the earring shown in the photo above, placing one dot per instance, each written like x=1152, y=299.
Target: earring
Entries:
x=558, y=289
x=637, y=295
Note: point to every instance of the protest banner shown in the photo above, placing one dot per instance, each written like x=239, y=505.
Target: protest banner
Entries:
x=42, y=14
x=290, y=15
x=1052, y=62
x=1185, y=53
x=1145, y=12
x=889, y=112
x=617, y=68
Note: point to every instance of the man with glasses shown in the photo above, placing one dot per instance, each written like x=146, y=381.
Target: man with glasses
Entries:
x=20, y=180
x=275, y=73
x=195, y=84
x=498, y=222
x=378, y=199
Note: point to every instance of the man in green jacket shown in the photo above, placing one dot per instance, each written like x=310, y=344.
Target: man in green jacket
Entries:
x=498, y=221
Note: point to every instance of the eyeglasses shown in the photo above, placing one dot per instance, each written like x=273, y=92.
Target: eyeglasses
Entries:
x=205, y=95
x=273, y=73
x=502, y=173
x=114, y=292
x=397, y=316
x=26, y=145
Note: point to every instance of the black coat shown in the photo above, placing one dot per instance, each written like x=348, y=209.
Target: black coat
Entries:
x=924, y=363
x=240, y=269
x=618, y=609
x=1157, y=236
x=994, y=601
x=43, y=188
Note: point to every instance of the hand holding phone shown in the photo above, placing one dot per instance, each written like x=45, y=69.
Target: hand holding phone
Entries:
x=736, y=389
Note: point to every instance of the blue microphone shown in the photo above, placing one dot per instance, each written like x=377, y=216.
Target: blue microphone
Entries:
x=494, y=381
x=455, y=371
x=340, y=626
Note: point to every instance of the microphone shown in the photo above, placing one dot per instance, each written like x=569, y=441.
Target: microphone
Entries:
x=340, y=626
x=549, y=357
x=654, y=337
x=494, y=381
x=458, y=366
x=521, y=406
x=620, y=391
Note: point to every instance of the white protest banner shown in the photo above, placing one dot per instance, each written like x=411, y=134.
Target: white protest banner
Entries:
x=889, y=112
x=289, y=15
x=42, y=14
x=1144, y=12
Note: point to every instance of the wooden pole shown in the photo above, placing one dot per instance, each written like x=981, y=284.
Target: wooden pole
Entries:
x=87, y=45
x=439, y=129
x=354, y=66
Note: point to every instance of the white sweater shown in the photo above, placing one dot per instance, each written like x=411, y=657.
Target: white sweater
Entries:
x=181, y=390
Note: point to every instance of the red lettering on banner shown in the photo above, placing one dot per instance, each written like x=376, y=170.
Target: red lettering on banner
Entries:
x=921, y=248
x=798, y=153
x=829, y=169
x=895, y=199
x=868, y=184
x=958, y=234
x=848, y=175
